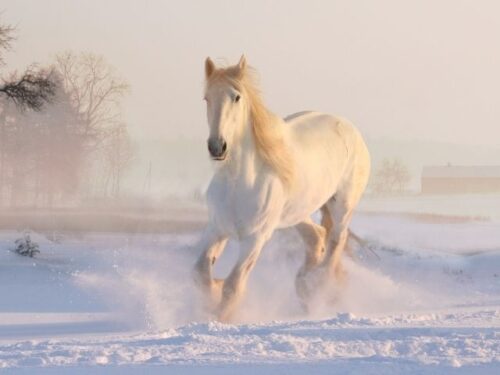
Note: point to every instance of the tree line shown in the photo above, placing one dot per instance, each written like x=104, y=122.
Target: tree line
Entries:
x=62, y=137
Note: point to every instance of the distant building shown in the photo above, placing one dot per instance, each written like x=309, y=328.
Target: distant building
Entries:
x=459, y=179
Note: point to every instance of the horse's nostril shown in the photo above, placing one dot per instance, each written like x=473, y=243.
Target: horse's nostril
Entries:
x=210, y=148
x=217, y=147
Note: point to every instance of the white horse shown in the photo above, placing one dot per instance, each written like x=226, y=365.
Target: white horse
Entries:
x=274, y=173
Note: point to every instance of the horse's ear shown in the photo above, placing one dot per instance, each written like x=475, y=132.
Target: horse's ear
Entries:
x=242, y=64
x=209, y=67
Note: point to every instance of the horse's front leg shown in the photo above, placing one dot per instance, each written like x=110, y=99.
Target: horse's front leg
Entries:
x=213, y=245
x=234, y=285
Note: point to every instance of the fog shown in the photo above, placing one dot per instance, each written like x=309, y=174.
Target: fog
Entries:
x=412, y=76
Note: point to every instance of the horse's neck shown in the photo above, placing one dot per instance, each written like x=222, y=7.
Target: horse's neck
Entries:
x=246, y=162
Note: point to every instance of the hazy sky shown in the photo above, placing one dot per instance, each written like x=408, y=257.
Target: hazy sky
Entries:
x=401, y=69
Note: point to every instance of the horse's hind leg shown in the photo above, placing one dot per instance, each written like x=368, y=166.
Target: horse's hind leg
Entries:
x=314, y=237
x=340, y=207
x=326, y=219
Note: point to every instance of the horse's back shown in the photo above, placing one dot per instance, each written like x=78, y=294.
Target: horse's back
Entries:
x=319, y=132
x=336, y=132
x=329, y=152
x=328, y=130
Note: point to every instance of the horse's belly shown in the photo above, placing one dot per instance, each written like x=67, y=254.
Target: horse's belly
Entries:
x=318, y=181
x=304, y=202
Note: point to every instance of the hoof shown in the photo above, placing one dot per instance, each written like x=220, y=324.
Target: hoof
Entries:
x=225, y=314
x=307, y=285
x=211, y=294
x=319, y=284
x=341, y=275
x=216, y=290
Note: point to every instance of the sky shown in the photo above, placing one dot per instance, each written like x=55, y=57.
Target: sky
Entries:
x=426, y=70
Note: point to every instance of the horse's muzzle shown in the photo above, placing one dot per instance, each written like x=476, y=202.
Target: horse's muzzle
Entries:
x=217, y=147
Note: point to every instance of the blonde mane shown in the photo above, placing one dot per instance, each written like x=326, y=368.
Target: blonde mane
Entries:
x=266, y=127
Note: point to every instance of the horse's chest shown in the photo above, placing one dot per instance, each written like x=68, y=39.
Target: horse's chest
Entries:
x=240, y=209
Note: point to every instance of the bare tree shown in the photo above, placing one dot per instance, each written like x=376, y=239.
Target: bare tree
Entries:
x=118, y=155
x=31, y=89
x=391, y=177
x=6, y=39
x=96, y=92
x=40, y=153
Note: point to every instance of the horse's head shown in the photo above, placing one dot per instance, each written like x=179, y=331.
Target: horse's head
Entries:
x=227, y=107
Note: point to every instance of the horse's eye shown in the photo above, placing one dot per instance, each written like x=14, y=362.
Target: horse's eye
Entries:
x=237, y=98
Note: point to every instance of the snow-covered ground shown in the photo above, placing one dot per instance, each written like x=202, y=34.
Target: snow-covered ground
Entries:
x=422, y=297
